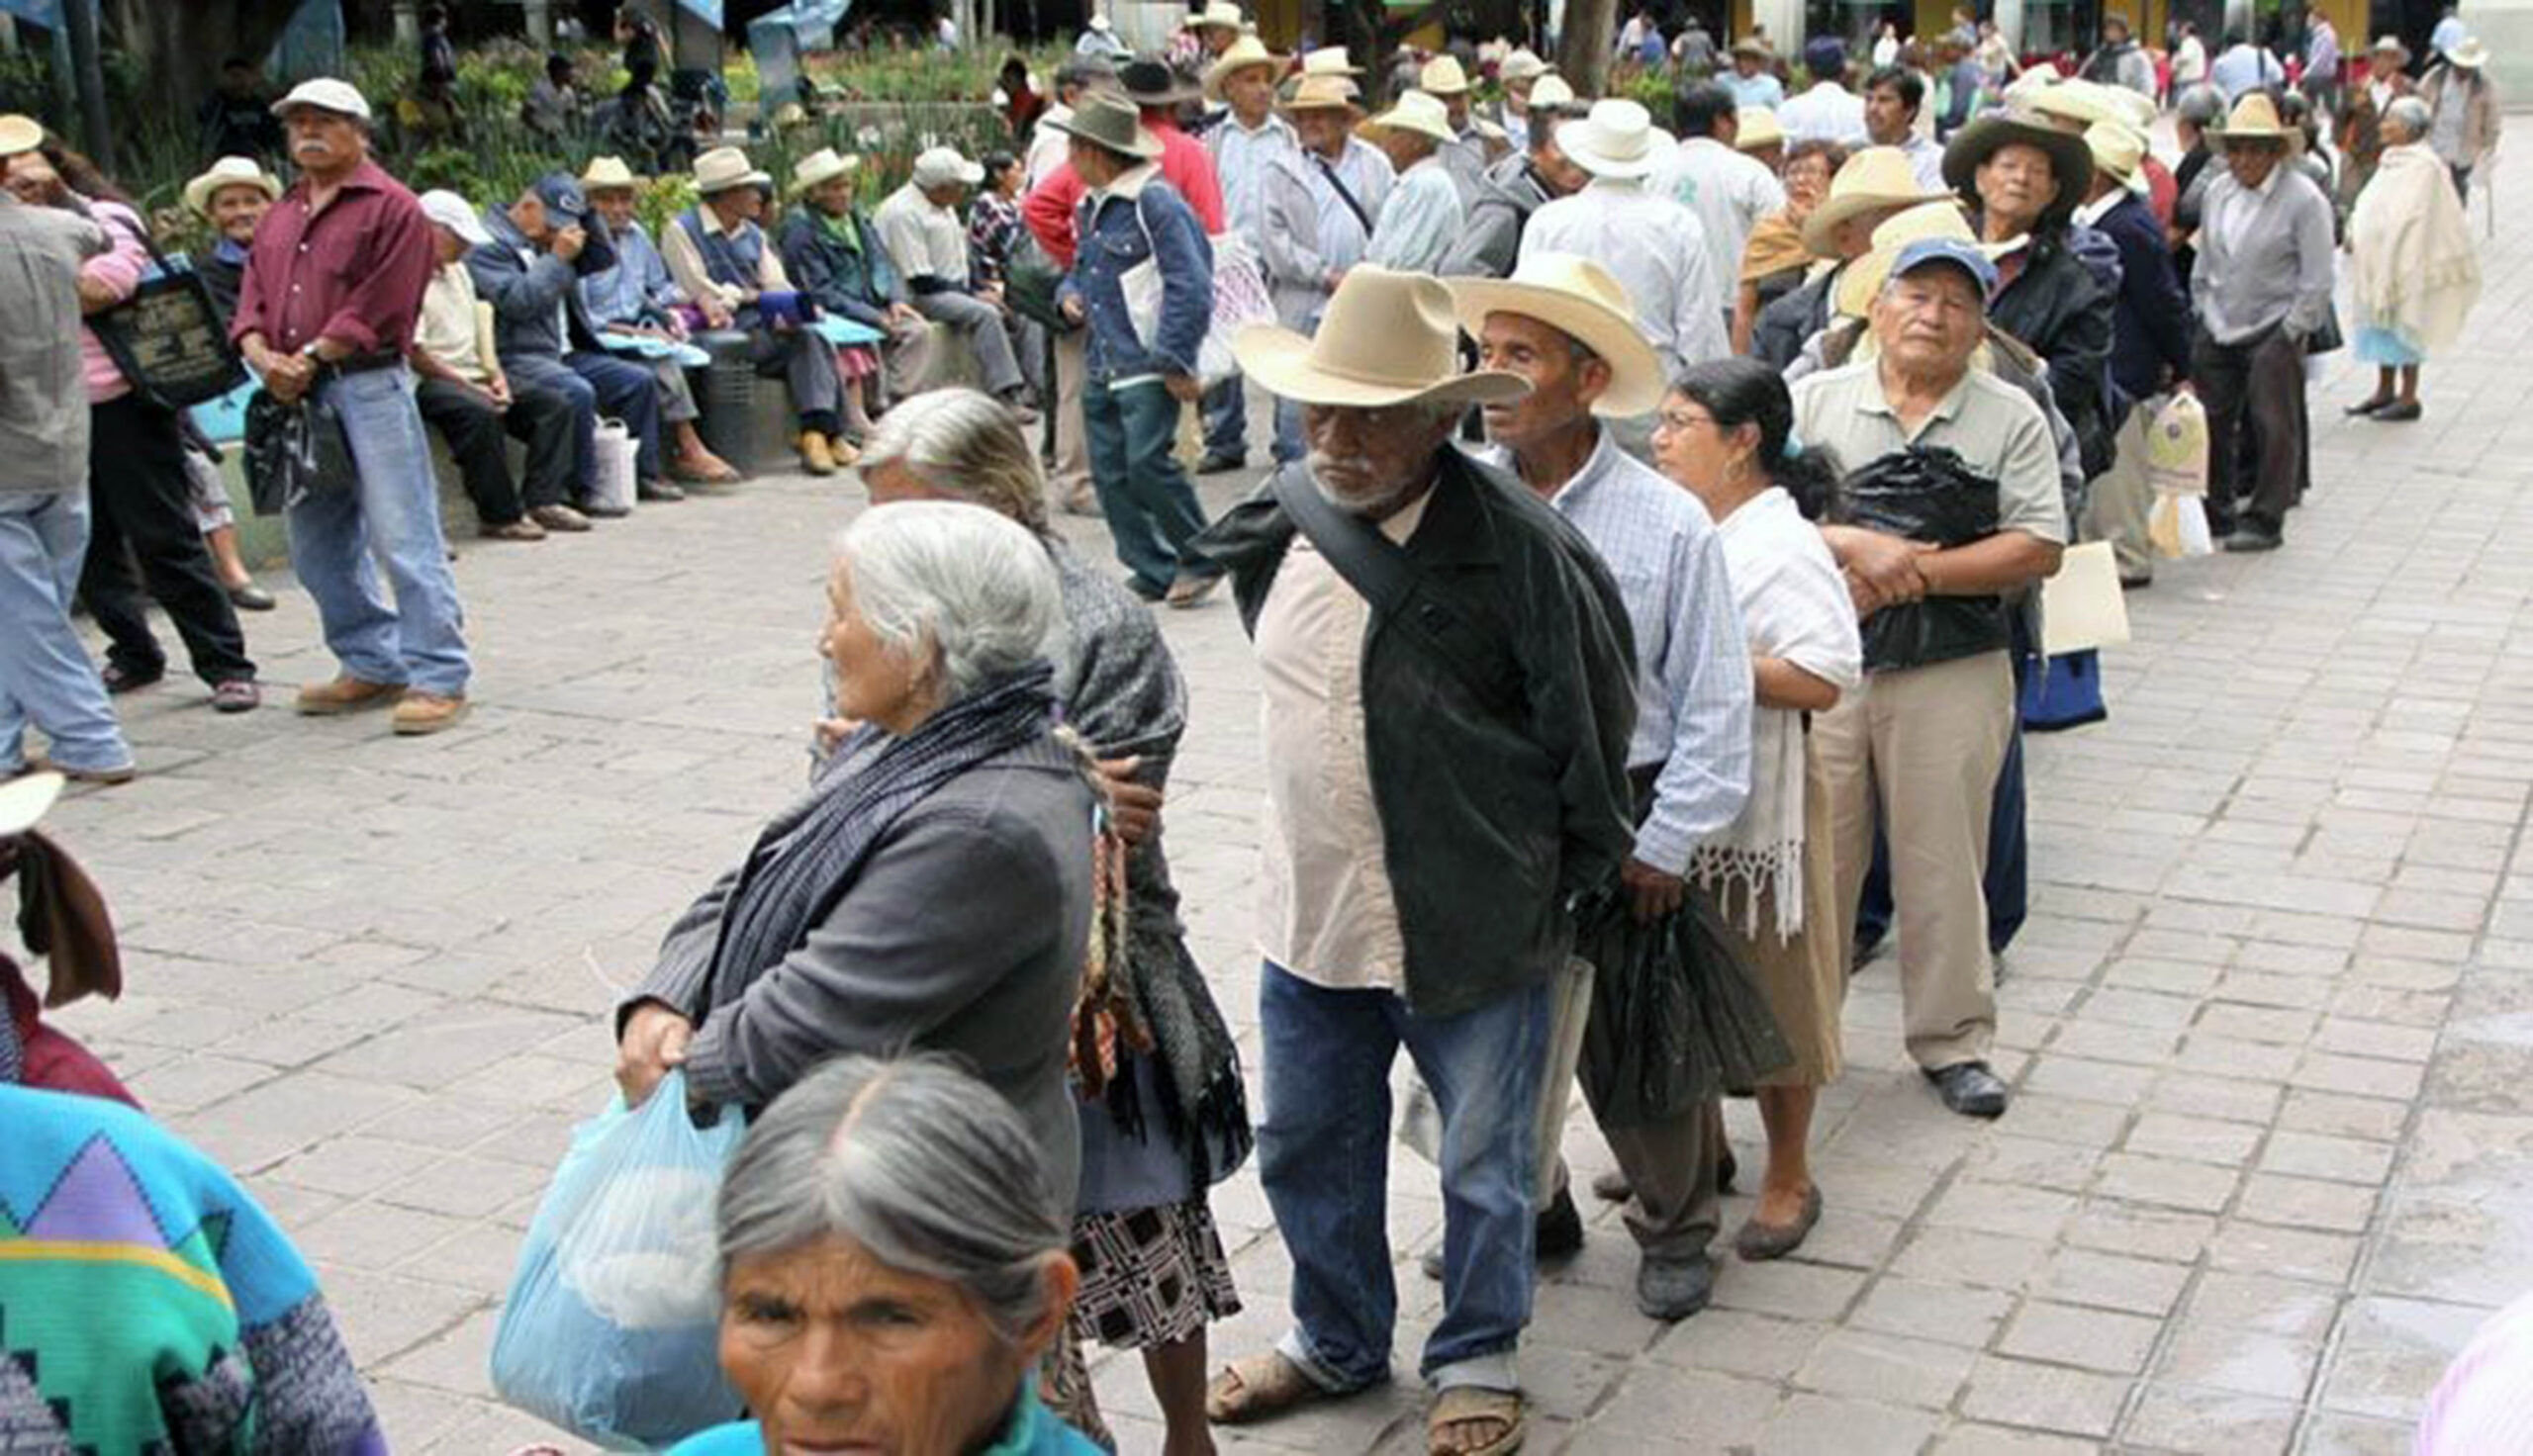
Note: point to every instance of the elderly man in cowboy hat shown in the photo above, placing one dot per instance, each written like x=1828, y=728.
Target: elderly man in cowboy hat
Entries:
x=1753, y=79
x=1727, y=188
x=1218, y=28
x=1425, y=212
x=2262, y=285
x=1923, y=741
x=465, y=394
x=332, y=288
x=2463, y=111
x=1140, y=370
x=718, y=251
x=1653, y=246
x=233, y=197
x=1491, y=240
x=1246, y=147
x=1868, y=188
x=1465, y=156
x=833, y=253
x=1563, y=325
x=635, y=298
x=1100, y=40
x=2357, y=132
x=1320, y=206
x=1518, y=74
x=2149, y=341
x=1442, y=779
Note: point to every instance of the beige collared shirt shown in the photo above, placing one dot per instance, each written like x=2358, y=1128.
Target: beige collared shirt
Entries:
x=1329, y=915
x=453, y=327
x=687, y=266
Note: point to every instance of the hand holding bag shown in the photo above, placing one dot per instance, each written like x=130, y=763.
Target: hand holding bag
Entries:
x=167, y=336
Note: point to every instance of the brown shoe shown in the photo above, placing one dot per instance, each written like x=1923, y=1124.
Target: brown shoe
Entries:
x=345, y=695
x=1188, y=590
x=846, y=452
x=102, y=777
x=513, y=530
x=815, y=457
x=419, y=713
x=559, y=518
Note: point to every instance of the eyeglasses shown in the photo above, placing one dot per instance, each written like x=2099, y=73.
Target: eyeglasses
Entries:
x=1680, y=421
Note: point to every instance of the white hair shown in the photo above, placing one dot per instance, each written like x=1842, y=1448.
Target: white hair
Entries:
x=921, y=1165
x=967, y=587
x=968, y=444
x=2414, y=115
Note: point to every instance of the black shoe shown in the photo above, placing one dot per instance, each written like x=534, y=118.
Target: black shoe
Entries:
x=2252, y=539
x=1670, y=1291
x=1970, y=1089
x=1558, y=1232
x=2368, y=404
x=656, y=490
x=2399, y=414
x=1218, y=461
x=122, y=680
x=249, y=597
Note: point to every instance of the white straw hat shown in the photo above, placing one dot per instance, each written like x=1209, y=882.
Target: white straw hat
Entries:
x=1616, y=139
x=1386, y=339
x=1577, y=297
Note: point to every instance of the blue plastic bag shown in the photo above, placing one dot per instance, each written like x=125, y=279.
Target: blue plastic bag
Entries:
x=611, y=1326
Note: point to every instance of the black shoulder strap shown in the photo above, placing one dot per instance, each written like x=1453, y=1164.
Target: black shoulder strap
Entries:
x=1400, y=594
x=1344, y=194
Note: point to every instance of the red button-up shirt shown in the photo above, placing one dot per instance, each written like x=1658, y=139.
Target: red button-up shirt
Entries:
x=353, y=272
x=1184, y=164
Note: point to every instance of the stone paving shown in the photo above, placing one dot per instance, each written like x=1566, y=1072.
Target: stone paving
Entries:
x=2270, y=1026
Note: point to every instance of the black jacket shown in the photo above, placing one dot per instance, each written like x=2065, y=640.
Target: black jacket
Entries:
x=1495, y=812
x=1788, y=321
x=2055, y=308
x=2150, y=328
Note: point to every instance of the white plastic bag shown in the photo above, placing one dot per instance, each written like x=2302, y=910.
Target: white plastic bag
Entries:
x=615, y=452
x=2177, y=447
x=1241, y=298
x=2177, y=526
x=611, y=1326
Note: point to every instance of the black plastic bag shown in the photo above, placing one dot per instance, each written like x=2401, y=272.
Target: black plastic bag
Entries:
x=1926, y=494
x=295, y=451
x=1676, y=1017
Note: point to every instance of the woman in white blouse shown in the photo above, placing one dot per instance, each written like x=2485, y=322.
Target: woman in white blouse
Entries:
x=1723, y=432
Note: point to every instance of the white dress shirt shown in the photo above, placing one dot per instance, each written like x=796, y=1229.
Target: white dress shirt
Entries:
x=1729, y=190
x=1829, y=111
x=1417, y=225
x=1242, y=157
x=1656, y=250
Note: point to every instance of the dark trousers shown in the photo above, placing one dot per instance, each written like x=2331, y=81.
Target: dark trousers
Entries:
x=2255, y=387
x=144, y=512
x=625, y=391
x=806, y=362
x=1151, y=509
x=542, y=419
x=1227, y=418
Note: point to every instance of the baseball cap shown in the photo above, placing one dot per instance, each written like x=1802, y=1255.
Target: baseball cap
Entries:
x=324, y=94
x=939, y=166
x=455, y=213
x=564, y=201
x=1963, y=255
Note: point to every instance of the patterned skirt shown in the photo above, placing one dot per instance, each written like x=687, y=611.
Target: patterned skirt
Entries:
x=1151, y=1276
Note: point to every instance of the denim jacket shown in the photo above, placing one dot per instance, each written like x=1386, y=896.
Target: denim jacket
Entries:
x=855, y=279
x=1137, y=217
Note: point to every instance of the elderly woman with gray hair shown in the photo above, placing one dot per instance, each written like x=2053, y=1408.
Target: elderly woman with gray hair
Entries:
x=892, y=1266
x=1173, y=1121
x=2413, y=274
x=933, y=889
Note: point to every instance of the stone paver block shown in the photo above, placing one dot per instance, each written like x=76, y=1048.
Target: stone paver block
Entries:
x=2045, y=1397
x=2076, y=1276
x=2223, y=1358
x=1732, y=1343
x=2180, y=1418
x=2307, y=1202
x=2093, y=1339
x=1809, y=1423
x=1887, y=1368
x=1950, y=1313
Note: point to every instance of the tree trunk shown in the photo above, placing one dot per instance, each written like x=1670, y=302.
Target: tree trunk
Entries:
x=1583, y=51
x=180, y=47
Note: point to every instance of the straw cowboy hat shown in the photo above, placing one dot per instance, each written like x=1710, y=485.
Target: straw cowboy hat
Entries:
x=229, y=171
x=608, y=173
x=1387, y=338
x=2393, y=43
x=2080, y=103
x=1245, y=52
x=2255, y=119
x=725, y=167
x=1149, y=82
x=1322, y=93
x=1862, y=279
x=1551, y=93
x=1416, y=112
x=1105, y=122
x=1522, y=65
x=24, y=801
x=1330, y=60
x=2071, y=162
x=2470, y=55
x=2120, y=153
x=1756, y=129
x=1753, y=47
x=1577, y=297
x=1614, y=139
x=820, y=167
x=1443, y=76
x=1877, y=179
x=1219, y=17
x=20, y=134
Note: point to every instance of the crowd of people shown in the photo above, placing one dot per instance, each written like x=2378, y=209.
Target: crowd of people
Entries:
x=1640, y=592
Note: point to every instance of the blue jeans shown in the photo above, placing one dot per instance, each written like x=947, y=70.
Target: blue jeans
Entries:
x=1151, y=507
x=1290, y=445
x=1324, y=1159
x=391, y=515
x=46, y=674
x=1227, y=418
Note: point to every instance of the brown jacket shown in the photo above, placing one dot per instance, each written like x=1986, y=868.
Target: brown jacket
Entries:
x=2360, y=134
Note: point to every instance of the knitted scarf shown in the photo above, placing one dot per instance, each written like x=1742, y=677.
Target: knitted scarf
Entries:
x=797, y=870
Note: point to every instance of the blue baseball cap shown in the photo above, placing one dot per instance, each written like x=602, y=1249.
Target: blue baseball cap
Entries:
x=1963, y=255
x=564, y=201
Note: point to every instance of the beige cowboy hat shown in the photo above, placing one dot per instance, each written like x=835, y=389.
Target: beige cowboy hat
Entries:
x=1753, y=47
x=608, y=173
x=2071, y=162
x=2470, y=55
x=1551, y=92
x=2118, y=152
x=2080, y=103
x=1522, y=65
x=1330, y=60
x=1443, y=76
x=1219, y=16
x=20, y=134
x=1386, y=339
x=1877, y=179
x=725, y=167
x=24, y=801
x=229, y=171
x=1245, y=52
x=820, y=167
x=1614, y=139
x=1322, y=93
x=1417, y=113
x=1756, y=129
x=1106, y=121
x=2393, y=44
x=2255, y=119
x=1941, y=221
x=1577, y=297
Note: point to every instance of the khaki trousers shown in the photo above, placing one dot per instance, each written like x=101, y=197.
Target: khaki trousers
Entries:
x=1924, y=744
x=2116, y=503
x=1070, y=473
